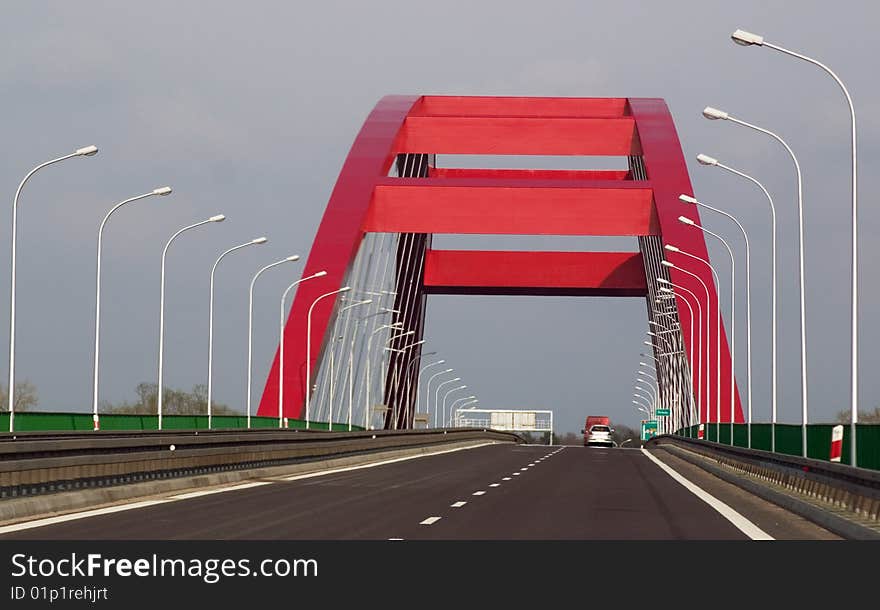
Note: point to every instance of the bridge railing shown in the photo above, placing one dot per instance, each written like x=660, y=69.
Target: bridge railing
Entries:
x=789, y=440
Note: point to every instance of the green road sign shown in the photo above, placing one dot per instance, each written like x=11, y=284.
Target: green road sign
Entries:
x=649, y=429
x=659, y=412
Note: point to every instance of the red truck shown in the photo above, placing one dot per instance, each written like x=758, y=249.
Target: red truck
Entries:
x=602, y=434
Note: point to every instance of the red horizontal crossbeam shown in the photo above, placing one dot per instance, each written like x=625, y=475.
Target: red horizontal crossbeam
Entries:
x=535, y=273
x=543, y=107
x=465, y=135
x=531, y=174
x=508, y=207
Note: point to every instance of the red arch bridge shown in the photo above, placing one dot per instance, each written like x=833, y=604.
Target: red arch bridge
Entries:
x=391, y=198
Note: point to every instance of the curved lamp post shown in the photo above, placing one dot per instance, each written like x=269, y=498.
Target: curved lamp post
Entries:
x=712, y=162
x=428, y=395
x=87, y=151
x=716, y=114
x=693, y=201
x=309, y=348
x=442, y=418
x=159, y=390
x=748, y=39
x=289, y=259
x=253, y=242
x=281, y=343
x=165, y=190
x=689, y=221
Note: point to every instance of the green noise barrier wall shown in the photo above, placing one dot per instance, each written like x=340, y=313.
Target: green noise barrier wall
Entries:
x=788, y=440
x=58, y=422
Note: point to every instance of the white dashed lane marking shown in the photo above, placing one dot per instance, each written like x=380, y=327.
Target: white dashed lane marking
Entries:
x=479, y=493
x=458, y=504
x=430, y=521
x=506, y=479
x=494, y=484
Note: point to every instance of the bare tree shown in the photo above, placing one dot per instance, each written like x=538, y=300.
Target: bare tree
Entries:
x=865, y=417
x=25, y=397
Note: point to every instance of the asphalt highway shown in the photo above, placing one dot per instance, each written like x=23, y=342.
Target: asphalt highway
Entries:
x=504, y=492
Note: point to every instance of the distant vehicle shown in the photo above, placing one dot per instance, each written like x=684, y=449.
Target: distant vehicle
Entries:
x=599, y=435
x=593, y=420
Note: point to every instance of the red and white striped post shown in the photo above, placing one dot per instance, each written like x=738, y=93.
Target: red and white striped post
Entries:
x=836, y=443
x=96, y=421
x=701, y=431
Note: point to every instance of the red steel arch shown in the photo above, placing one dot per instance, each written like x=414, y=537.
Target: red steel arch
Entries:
x=644, y=204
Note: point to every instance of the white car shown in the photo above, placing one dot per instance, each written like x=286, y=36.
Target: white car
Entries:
x=600, y=435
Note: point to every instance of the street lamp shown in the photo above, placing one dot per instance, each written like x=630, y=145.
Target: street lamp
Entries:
x=332, y=376
x=693, y=201
x=419, y=382
x=428, y=395
x=165, y=190
x=672, y=248
x=715, y=114
x=455, y=402
x=445, y=396
x=689, y=221
x=368, y=384
x=289, y=259
x=748, y=39
x=442, y=419
x=454, y=421
x=217, y=218
x=396, y=380
x=699, y=340
x=281, y=343
x=309, y=348
x=253, y=242
x=712, y=162
x=87, y=151
x=406, y=377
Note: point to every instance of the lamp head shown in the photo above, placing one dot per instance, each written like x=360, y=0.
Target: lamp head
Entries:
x=667, y=264
x=87, y=151
x=714, y=114
x=165, y=190
x=320, y=274
x=665, y=289
x=448, y=370
x=292, y=259
x=663, y=280
x=671, y=248
x=260, y=240
x=344, y=289
x=706, y=160
x=217, y=218
x=687, y=221
x=441, y=361
x=687, y=199
x=747, y=39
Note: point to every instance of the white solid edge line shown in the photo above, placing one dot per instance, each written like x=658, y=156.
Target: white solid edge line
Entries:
x=322, y=473
x=741, y=523
x=430, y=521
x=208, y=492
x=81, y=515
x=15, y=527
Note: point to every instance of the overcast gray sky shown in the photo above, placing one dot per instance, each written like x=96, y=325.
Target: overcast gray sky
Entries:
x=249, y=109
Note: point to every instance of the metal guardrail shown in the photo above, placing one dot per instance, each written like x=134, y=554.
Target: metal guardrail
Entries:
x=37, y=463
x=856, y=490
